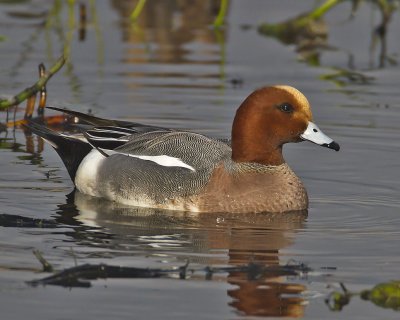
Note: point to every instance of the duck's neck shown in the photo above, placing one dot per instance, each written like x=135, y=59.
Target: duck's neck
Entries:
x=251, y=143
x=244, y=150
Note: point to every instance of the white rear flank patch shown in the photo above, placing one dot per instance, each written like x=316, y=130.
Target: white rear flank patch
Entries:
x=165, y=161
x=86, y=175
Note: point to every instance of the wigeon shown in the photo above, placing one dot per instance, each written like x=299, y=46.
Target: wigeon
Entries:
x=150, y=166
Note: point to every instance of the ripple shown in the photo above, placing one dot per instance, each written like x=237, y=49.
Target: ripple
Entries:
x=369, y=201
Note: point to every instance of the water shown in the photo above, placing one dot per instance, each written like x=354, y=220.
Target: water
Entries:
x=173, y=69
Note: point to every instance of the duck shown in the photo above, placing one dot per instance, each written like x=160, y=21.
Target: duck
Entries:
x=142, y=165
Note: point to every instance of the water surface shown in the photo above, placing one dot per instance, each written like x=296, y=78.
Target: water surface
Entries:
x=174, y=69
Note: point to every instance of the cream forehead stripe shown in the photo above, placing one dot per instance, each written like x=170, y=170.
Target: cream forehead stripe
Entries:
x=303, y=102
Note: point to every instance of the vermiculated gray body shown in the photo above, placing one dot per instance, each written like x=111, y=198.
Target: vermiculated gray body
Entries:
x=135, y=181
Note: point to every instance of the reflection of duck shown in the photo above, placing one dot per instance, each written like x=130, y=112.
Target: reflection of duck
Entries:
x=163, y=168
x=204, y=239
x=268, y=295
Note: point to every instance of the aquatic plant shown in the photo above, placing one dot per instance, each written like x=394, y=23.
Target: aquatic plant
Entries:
x=138, y=9
x=219, y=20
x=80, y=275
x=32, y=90
x=304, y=25
x=384, y=295
x=309, y=32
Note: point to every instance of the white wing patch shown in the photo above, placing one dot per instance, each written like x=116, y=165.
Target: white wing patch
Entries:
x=165, y=161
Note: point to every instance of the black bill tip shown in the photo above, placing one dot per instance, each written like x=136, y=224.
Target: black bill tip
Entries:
x=333, y=145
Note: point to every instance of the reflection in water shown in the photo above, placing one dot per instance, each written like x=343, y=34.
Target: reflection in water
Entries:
x=264, y=296
x=309, y=32
x=175, y=33
x=169, y=25
x=8, y=141
x=202, y=238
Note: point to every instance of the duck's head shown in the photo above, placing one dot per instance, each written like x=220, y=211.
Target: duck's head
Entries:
x=269, y=118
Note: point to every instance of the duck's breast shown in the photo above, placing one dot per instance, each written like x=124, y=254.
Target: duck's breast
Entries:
x=277, y=189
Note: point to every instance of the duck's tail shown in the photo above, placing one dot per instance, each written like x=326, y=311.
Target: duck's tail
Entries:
x=92, y=120
x=71, y=150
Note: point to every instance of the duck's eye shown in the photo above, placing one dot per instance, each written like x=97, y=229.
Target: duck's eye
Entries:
x=286, y=107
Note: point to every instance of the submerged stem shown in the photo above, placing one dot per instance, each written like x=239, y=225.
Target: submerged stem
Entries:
x=47, y=267
x=219, y=20
x=138, y=9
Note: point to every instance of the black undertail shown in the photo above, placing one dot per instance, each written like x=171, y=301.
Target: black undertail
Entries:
x=71, y=150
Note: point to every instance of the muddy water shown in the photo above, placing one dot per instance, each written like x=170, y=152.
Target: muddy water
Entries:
x=173, y=69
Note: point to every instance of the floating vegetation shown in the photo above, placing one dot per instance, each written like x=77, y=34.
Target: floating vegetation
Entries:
x=80, y=275
x=342, y=76
x=17, y=221
x=337, y=300
x=384, y=295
